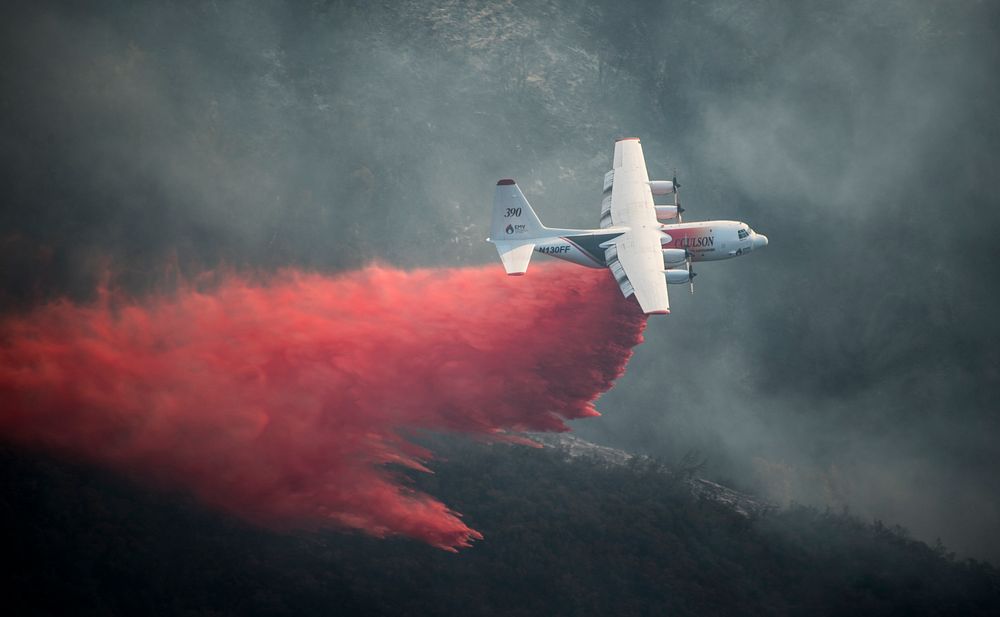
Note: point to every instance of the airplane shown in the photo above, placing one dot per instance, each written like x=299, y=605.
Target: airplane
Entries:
x=643, y=253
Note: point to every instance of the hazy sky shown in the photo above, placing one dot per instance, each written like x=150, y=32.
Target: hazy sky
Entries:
x=854, y=362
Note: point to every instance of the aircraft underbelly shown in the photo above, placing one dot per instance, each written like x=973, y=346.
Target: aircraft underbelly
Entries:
x=572, y=250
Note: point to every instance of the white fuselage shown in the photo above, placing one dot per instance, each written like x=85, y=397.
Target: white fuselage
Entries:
x=704, y=240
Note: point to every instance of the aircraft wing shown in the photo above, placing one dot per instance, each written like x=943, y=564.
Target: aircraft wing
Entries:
x=639, y=271
x=635, y=258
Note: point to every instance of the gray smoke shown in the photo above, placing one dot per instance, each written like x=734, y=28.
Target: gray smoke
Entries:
x=852, y=363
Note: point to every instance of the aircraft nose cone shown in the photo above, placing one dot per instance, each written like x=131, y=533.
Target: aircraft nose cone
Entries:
x=759, y=241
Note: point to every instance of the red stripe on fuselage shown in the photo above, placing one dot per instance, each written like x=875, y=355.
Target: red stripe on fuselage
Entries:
x=695, y=239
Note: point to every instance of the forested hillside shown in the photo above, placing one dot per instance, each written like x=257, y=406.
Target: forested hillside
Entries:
x=561, y=538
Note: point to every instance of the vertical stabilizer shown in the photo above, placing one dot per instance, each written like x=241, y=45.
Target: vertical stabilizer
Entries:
x=513, y=218
x=515, y=227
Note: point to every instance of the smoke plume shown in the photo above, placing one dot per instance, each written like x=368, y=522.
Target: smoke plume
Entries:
x=284, y=400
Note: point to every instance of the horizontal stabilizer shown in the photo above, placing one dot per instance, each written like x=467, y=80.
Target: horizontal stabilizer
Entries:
x=515, y=256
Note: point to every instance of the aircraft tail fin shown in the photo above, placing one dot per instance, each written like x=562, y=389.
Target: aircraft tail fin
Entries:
x=513, y=218
x=515, y=227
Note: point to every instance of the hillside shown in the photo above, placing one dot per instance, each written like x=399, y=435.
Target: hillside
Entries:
x=852, y=364
x=564, y=535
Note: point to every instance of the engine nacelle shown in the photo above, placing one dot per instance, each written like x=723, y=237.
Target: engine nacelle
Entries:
x=678, y=276
x=674, y=257
x=665, y=213
x=661, y=187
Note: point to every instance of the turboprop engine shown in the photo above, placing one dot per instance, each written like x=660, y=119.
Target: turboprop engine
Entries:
x=667, y=187
x=661, y=187
x=678, y=276
x=674, y=257
x=665, y=213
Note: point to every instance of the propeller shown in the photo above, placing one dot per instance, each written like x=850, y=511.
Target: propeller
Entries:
x=691, y=274
x=677, y=198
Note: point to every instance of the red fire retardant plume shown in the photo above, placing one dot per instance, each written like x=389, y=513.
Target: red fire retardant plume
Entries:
x=282, y=401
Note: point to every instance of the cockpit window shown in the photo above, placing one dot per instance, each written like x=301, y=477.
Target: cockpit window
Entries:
x=742, y=233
